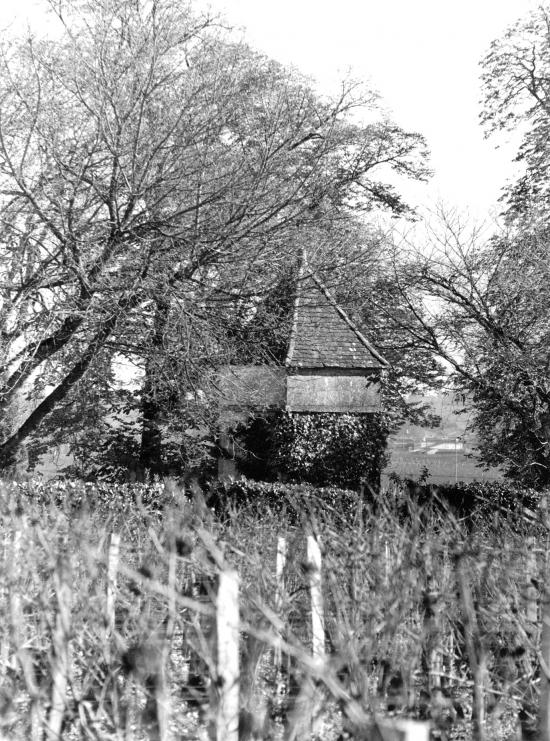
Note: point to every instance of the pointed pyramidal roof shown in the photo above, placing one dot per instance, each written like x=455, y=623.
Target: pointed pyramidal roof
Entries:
x=323, y=335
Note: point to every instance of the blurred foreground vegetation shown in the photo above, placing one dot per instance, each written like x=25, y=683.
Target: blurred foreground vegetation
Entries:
x=423, y=607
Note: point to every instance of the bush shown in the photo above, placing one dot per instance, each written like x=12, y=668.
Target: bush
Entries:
x=341, y=450
x=478, y=498
x=288, y=500
x=74, y=496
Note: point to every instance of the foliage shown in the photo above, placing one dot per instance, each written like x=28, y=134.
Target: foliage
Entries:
x=478, y=500
x=342, y=450
x=480, y=305
x=101, y=428
x=413, y=367
x=516, y=74
x=260, y=332
x=514, y=422
x=74, y=496
x=506, y=374
x=479, y=300
x=291, y=502
x=156, y=175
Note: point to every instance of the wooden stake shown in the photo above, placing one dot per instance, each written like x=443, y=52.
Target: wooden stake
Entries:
x=61, y=657
x=227, y=641
x=280, y=585
x=316, y=594
x=112, y=572
x=162, y=695
x=544, y=658
x=399, y=729
x=476, y=652
x=531, y=592
x=279, y=570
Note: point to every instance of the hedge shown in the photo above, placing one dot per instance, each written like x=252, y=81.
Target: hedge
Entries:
x=291, y=501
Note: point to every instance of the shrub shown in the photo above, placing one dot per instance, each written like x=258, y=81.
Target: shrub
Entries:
x=341, y=450
x=477, y=498
x=74, y=496
x=290, y=500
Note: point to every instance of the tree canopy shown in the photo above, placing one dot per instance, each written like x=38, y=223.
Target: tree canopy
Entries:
x=477, y=298
x=516, y=96
x=155, y=174
x=481, y=306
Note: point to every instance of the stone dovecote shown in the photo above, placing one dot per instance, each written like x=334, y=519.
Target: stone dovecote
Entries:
x=330, y=365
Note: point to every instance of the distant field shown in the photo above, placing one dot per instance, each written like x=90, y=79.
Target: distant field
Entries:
x=443, y=466
x=414, y=448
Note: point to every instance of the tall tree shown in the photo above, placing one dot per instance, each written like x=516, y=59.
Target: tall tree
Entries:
x=145, y=160
x=480, y=304
x=516, y=97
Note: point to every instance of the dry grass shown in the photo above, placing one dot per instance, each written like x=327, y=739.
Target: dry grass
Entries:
x=424, y=616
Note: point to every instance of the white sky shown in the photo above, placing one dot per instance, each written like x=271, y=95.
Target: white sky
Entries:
x=421, y=55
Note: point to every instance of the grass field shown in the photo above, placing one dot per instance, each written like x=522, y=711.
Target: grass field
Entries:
x=443, y=466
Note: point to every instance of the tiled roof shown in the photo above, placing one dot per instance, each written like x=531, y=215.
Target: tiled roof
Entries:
x=323, y=336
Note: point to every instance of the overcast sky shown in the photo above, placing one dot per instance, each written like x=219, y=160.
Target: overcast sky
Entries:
x=421, y=55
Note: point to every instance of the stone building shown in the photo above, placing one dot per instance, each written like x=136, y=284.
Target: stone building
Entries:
x=330, y=367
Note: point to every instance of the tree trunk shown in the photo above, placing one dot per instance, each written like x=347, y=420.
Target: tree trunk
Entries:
x=150, y=458
x=10, y=446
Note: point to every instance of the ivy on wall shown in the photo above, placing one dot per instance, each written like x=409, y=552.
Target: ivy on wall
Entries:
x=323, y=449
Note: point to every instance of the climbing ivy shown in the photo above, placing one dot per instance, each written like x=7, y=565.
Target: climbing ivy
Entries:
x=343, y=450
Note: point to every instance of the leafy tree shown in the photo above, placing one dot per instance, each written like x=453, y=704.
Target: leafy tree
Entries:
x=496, y=294
x=149, y=168
x=511, y=392
x=516, y=96
x=482, y=308
x=479, y=302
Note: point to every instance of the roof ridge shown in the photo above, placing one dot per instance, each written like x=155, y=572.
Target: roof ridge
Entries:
x=351, y=324
x=334, y=305
x=294, y=328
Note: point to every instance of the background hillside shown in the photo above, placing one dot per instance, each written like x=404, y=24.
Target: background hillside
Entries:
x=446, y=451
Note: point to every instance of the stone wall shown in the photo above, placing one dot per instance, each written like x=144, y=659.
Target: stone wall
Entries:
x=321, y=392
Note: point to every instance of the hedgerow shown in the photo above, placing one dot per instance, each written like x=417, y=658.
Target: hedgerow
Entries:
x=479, y=498
x=291, y=501
x=72, y=495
